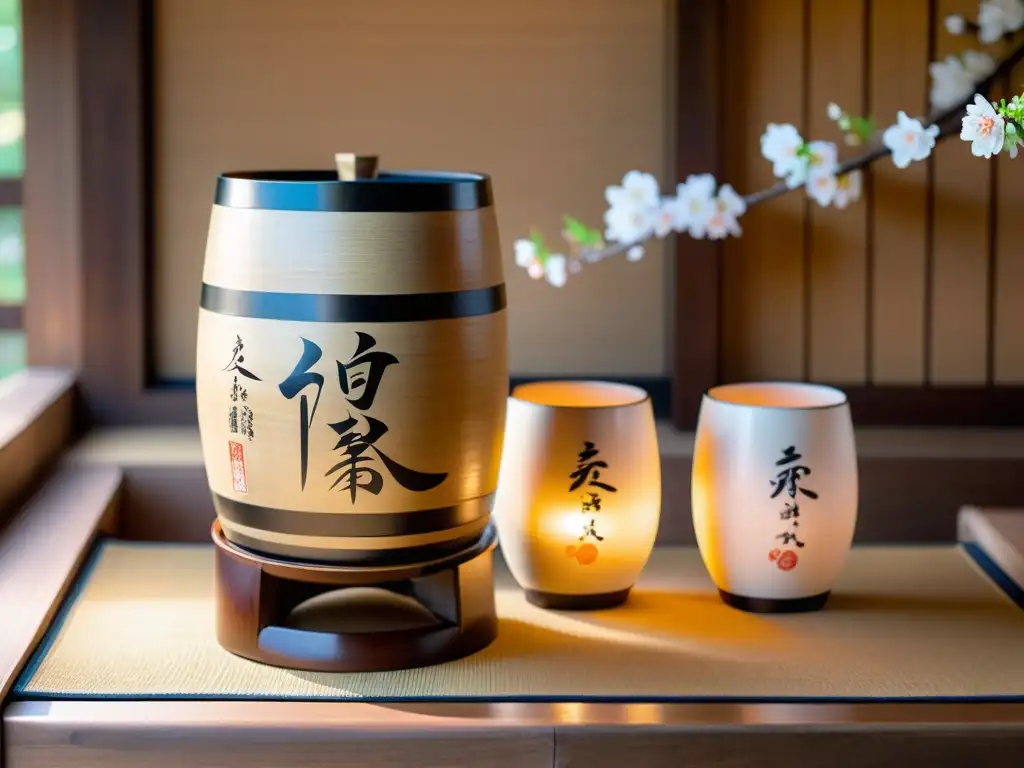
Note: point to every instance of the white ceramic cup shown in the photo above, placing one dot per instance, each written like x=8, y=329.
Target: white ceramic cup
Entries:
x=579, y=491
x=774, y=493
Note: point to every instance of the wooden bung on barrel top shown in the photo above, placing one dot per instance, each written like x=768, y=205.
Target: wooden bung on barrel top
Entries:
x=352, y=370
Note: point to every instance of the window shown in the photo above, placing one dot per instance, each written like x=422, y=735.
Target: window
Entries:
x=12, y=161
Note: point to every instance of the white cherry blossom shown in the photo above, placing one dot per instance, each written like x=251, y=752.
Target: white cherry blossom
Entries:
x=848, y=189
x=526, y=253
x=626, y=223
x=728, y=207
x=823, y=156
x=535, y=270
x=834, y=111
x=670, y=216
x=781, y=144
x=908, y=141
x=635, y=253
x=954, y=79
x=999, y=17
x=829, y=189
x=695, y=204
x=639, y=190
x=554, y=270
x=821, y=187
x=983, y=127
x=977, y=64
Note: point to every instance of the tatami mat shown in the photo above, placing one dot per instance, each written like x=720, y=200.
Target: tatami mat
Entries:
x=903, y=622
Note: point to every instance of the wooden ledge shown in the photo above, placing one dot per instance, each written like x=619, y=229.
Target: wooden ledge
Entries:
x=153, y=446
x=41, y=550
x=913, y=481
x=36, y=420
x=1000, y=533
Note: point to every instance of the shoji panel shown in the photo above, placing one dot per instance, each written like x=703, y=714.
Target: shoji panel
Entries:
x=763, y=274
x=555, y=99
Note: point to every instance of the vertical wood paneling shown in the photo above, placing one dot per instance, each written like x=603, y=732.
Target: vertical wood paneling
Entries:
x=763, y=272
x=959, y=291
x=1008, y=344
x=900, y=38
x=838, y=238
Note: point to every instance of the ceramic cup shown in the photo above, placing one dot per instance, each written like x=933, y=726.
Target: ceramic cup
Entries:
x=774, y=493
x=579, y=491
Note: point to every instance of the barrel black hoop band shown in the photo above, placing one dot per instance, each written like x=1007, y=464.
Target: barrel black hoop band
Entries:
x=351, y=525
x=389, y=192
x=353, y=308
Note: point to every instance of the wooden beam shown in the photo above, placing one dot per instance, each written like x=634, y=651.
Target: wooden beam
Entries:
x=700, y=26
x=937, y=406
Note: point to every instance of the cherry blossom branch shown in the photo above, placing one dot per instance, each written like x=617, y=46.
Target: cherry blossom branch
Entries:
x=703, y=208
x=943, y=119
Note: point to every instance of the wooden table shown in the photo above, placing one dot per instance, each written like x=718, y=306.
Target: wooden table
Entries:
x=44, y=546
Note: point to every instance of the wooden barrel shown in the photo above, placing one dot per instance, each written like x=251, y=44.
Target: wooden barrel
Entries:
x=352, y=368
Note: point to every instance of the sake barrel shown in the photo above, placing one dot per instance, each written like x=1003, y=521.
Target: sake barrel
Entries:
x=351, y=371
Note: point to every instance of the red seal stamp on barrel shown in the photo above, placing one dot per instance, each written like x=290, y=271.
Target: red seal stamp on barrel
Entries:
x=237, y=454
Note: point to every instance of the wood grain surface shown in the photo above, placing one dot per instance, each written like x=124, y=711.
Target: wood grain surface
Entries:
x=152, y=734
x=748, y=746
x=254, y=735
x=837, y=252
x=763, y=273
x=899, y=197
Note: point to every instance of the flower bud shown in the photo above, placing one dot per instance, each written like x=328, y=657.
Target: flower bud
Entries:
x=955, y=24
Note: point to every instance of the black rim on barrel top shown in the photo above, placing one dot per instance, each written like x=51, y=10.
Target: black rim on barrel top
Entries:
x=389, y=191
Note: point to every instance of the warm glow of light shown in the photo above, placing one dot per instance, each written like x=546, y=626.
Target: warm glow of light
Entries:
x=579, y=394
x=644, y=714
x=571, y=712
x=579, y=494
x=563, y=524
x=778, y=395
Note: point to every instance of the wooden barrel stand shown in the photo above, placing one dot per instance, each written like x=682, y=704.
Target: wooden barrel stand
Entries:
x=256, y=598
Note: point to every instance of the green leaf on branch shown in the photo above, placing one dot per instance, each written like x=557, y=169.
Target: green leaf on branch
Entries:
x=1013, y=111
x=862, y=127
x=538, y=243
x=578, y=233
